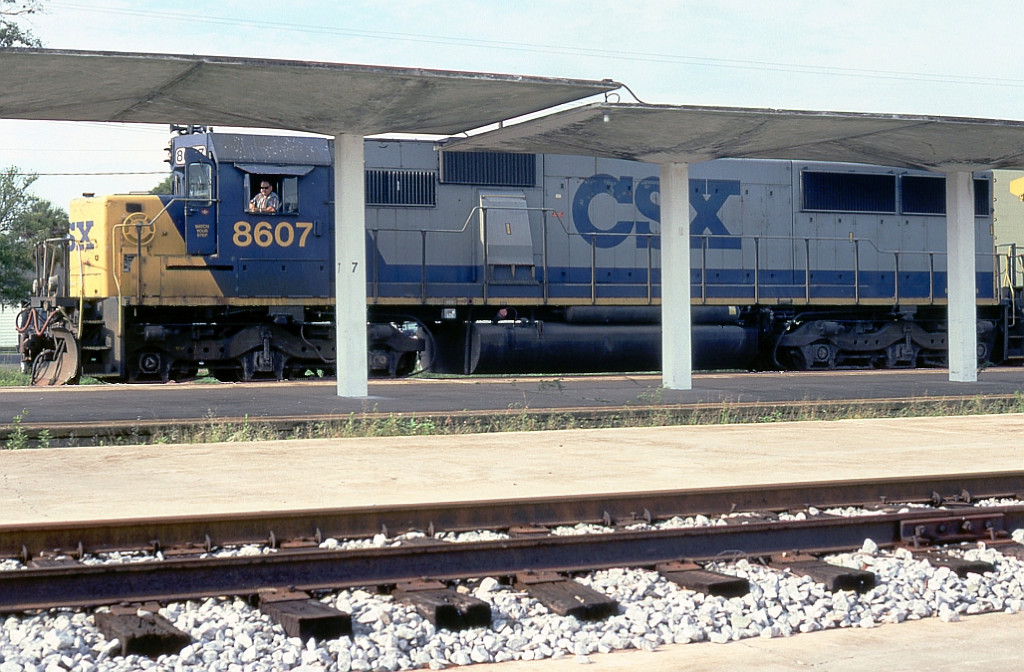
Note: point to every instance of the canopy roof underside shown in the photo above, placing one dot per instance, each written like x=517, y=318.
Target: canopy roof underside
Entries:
x=691, y=134
x=326, y=98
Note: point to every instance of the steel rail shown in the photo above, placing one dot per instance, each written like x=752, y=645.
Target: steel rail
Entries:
x=97, y=536
x=92, y=585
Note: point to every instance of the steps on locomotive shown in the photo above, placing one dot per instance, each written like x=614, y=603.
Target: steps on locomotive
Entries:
x=1013, y=335
x=95, y=344
x=1014, y=345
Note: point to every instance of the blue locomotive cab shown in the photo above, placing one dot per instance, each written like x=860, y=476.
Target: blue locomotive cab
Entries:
x=259, y=205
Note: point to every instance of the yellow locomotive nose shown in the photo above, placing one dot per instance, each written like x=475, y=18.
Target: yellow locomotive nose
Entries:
x=1017, y=188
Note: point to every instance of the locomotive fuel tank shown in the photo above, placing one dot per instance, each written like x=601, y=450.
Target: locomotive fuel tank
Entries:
x=540, y=347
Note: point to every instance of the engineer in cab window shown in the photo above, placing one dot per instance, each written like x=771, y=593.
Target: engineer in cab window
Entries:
x=266, y=200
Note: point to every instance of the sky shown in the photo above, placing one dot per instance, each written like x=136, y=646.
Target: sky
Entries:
x=934, y=57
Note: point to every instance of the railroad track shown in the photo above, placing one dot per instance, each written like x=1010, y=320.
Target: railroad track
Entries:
x=55, y=577
x=768, y=545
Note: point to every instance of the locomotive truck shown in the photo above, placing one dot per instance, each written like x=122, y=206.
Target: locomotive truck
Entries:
x=481, y=262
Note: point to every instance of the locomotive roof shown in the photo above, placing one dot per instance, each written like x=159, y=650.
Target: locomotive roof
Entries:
x=268, y=149
x=329, y=98
x=690, y=134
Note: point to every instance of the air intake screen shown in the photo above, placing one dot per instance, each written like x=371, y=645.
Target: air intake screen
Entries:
x=849, y=192
x=927, y=196
x=493, y=169
x=401, y=187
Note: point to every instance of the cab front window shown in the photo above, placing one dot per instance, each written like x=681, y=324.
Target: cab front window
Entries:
x=200, y=181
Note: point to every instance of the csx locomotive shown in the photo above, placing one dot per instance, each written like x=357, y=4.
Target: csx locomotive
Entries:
x=484, y=262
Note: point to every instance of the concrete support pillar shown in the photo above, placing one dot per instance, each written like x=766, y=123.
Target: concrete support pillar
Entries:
x=350, y=265
x=961, y=286
x=676, y=345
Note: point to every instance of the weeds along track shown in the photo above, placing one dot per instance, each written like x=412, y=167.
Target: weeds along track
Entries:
x=21, y=432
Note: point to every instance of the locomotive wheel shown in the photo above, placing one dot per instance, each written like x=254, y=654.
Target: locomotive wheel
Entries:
x=819, y=355
x=406, y=364
x=150, y=365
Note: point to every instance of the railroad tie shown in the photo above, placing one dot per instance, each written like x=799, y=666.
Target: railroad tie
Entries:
x=959, y=565
x=1011, y=549
x=528, y=531
x=443, y=607
x=141, y=630
x=834, y=577
x=303, y=617
x=566, y=597
x=44, y=560
x=692, y=576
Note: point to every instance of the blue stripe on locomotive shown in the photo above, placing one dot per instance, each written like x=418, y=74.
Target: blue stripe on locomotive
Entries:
x=736, y=284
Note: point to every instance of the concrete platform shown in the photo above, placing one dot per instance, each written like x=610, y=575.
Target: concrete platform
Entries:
x=115, y=482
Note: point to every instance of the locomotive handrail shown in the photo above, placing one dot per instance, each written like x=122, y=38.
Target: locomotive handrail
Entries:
x=151, y=222
x=806, y=290
x=42, y=274
x=181, y=199
x=113, y=265
x=423, y=246
x=1009, y=273
x=395, y=229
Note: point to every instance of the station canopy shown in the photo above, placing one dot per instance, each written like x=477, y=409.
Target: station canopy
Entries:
x=327, y=98
x=691, y=134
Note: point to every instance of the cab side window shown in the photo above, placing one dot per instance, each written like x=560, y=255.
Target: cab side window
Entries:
x=289, y=194
x=282, y=189
x=263, y=194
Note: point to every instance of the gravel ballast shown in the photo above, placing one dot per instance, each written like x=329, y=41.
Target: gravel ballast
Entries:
x=229, y=634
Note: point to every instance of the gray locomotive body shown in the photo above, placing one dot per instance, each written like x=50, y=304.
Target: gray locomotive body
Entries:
x=552, y=263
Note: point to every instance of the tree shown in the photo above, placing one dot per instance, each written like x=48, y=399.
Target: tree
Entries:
x=25, y=221
x=15, y=255
x=165, y=187
x=11, y=34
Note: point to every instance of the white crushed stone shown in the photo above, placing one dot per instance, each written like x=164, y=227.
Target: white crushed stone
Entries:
x=580, y=529
x=470, y=537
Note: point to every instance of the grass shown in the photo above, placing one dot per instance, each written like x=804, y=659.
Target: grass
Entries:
x=11, y=376
x=648, y=409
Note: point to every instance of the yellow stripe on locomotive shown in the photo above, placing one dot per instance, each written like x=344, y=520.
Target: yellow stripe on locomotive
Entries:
x=128, y=246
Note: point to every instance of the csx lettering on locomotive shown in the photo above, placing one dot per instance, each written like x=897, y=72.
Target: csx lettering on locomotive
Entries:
x=79, y=233
x=706, y=197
